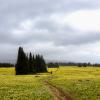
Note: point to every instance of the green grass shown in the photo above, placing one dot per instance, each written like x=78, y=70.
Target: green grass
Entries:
x=7, y=71
x=26, y=87
x=81, y=83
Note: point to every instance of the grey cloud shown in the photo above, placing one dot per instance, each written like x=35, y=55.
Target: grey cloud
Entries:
x=47, y=30
x=14, y=12
x=78, y=39
x=65, y=35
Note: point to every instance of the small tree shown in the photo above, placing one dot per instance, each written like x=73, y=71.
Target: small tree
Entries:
x=79, y=65
x=43, y=64
x=84, y=65
x=53, y=65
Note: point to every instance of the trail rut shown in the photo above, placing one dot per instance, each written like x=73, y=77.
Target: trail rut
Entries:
x=58, y=93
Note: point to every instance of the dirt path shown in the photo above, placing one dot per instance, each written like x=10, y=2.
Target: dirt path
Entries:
x=57, y=93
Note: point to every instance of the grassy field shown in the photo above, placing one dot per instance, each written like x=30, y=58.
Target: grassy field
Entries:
x=26, y=87
x=80, y=83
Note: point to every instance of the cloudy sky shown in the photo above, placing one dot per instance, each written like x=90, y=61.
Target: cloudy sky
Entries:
x=61, y=30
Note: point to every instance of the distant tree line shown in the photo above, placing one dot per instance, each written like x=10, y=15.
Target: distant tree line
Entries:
x=29, y=64
x=6, y=65
x=74, y=64
x=96, y=65
x=78, y=64
x=53, y=65
x=83, y=65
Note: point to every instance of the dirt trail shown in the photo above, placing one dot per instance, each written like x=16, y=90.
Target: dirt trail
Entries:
x=57, y=93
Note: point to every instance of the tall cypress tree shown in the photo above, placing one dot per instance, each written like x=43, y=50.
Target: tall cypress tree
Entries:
x=34, y=64
x=22, y=63
x=30, y=63
x=37, y=63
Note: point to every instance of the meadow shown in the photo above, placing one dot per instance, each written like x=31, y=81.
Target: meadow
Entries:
x=79, y=83
x=25, y=87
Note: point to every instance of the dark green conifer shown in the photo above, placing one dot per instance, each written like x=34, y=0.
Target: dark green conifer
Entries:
x=22, y=63
x=30, y=63
x=29, y=66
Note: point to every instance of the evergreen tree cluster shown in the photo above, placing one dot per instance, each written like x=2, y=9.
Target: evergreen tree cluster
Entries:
x=29, y=64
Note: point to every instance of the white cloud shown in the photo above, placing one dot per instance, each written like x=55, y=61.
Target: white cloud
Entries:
x=84, y=20
x=81, y=20
x=27, y=25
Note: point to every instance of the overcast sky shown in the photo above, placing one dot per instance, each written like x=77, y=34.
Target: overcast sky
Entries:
x=61, y=30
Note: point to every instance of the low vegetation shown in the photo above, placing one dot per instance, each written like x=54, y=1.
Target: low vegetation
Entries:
x=22, y=87
x=79, y=83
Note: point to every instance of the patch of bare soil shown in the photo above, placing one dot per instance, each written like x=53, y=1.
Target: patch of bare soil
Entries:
x=58, y=93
